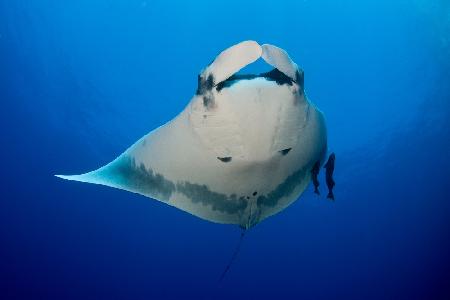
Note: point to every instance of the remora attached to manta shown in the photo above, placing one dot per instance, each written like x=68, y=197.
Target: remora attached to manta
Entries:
x=241, y=151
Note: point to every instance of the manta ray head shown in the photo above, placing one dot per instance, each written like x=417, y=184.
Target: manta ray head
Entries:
x=262, y=114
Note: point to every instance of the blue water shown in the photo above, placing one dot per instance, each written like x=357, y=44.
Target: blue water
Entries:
x=82, y=80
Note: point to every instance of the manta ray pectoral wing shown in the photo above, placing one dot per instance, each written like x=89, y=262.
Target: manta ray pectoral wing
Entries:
x=235, y=155
x=232, y=60
x=278, y=58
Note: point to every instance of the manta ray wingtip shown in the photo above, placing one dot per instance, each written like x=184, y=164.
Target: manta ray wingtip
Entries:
x=80, y=178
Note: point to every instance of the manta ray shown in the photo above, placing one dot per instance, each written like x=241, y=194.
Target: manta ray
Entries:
x=242, y=150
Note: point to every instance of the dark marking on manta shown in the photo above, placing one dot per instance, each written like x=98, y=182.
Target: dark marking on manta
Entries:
x=329, y=167
x=138, y=178
x=285, y=151
x=285, y=188
x=204, y=88
x=127, y=174
x=233, y=79
x=204, y=84
x=225, y=159
x=274, y=75
x=300, y=79
x=219, y=202
x=208, y=100
x=255, y=193
x=279, y=77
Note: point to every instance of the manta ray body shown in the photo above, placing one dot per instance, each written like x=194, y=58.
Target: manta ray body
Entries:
x=241, y=151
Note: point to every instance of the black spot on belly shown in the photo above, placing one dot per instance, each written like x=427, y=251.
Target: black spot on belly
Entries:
x=255, y=193
x=285, y=151
x=225, y=159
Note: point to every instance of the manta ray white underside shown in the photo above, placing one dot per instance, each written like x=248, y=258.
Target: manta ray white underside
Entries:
x=241, y=151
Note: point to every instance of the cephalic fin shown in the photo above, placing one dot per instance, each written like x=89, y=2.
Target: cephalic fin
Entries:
x=278, y=58
x=231, y=60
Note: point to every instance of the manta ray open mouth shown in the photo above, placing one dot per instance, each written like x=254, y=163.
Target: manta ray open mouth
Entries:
x=274, y=75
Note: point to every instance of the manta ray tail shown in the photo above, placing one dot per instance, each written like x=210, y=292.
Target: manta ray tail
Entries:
x=234, y=256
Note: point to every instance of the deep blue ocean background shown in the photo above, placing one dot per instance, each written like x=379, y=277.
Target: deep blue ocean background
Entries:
x=80, y=81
